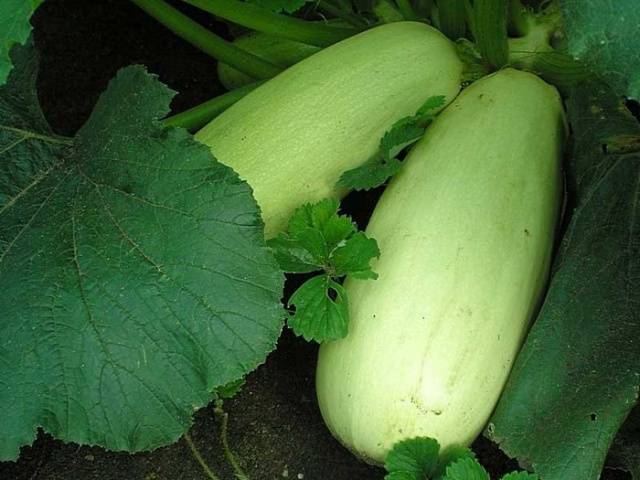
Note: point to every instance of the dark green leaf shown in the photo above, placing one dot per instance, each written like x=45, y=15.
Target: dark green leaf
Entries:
x=354, y=256
x=371, y=174
x=400, y=476
x=417, y=457
x=322, y=310
x=625, y=452
x=577, y=376
x=451, y=455
x=604, y=34
x=14, y=29
x=134, y=278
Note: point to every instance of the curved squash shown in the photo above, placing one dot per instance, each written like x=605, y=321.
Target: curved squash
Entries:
x=465, y=232
x=292, y=137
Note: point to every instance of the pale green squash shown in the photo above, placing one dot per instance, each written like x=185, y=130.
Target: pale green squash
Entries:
x=465, y=231
x=293, y=137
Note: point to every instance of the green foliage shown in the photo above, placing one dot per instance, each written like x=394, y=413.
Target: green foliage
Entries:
x=14, y=28
x=419, y=458
x=604, y=35
x=134, y=278
x=577, y=376
x=384, y=164
x=317, y=238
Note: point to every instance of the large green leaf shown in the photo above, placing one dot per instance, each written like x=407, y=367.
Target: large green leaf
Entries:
x=625, y=452
x=577, y=376
x=134, y=278
x=604, y=34
x=14, y=28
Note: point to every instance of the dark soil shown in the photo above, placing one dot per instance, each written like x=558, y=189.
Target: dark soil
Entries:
x=275, y=427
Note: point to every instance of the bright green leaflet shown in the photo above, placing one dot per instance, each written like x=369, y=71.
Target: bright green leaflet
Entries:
x=466, y=469
x=415, y=458
x=604, y=34
x=322, y=310
x=14, y=28
x=384, y=164
x=318, y=238
x=520, y=476
x=288, y=6
x=134, y=278
x=577, y=376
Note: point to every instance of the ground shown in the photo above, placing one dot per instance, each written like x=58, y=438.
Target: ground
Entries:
x=275, y=427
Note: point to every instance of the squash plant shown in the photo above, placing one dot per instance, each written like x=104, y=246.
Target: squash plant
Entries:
x=136, y=282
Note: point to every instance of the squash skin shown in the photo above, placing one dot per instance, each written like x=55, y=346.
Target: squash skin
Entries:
x=292, y=137
x=466, y=233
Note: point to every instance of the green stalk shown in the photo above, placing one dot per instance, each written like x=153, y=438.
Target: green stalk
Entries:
x=491, y=31
x=338, y=12
x=518, y=19
x=202, y=114
x=206, y=41
x=406, y=9
x=424, y=8
x=224, y=427
x=196, y=454
x=534, y=52
x=452, y=18
x=260, y=19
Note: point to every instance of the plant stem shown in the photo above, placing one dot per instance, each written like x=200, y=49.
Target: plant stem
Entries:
x=406, y=9
x=518, y=19
x=490, y=18
x=202, y=114
x=198, y=457
x=224, y=420
x=338, y=12
x=207, y=41
x=263, y=20
x=453, y=18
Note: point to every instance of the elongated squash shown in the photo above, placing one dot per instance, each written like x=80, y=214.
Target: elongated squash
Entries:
x=293, y=137
x=465, y=232
x=279, y=51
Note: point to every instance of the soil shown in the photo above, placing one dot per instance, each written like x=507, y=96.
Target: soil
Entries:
x=275, y=427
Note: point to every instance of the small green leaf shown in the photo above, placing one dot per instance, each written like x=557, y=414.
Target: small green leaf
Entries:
x=416, y=458
x=384, y=164
x=321, y=310
x=520, y=476
x=451, y=455
x=14, y=29
x=231, y=389
x=354, y=256
x=400, y=476
x=466, y=469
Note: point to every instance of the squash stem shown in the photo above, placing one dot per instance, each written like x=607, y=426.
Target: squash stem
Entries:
x=196, y=454
x=338, y=12
x=263, y=20
x=406, y=9
x=207, y=41
x=202, y=114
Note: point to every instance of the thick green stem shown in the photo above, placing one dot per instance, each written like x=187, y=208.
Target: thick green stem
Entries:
x=202, y=114
x=452, y=17
x=196, y=454
x=260, y=19
x=206, y=41
x=518, y=19
x=406, y=9
x=534, y=52
x=338, y=12
x=491, y=30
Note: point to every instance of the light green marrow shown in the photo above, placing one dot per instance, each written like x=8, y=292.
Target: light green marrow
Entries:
x=279, y=51
x=465, y=232
x=292, y=137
